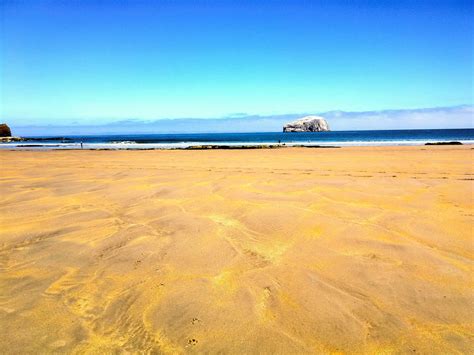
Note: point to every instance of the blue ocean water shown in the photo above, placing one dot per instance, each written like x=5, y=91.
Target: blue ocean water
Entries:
x=340, y=138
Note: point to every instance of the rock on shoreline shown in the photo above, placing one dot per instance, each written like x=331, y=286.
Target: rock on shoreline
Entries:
x=6, y=134
x=444, y=143
x=5, y=131
x=11, y=139
x=307, y=124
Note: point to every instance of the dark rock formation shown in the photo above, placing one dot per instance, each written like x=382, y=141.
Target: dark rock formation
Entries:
x=444, y=143
x=5, y=130
x=40, y=139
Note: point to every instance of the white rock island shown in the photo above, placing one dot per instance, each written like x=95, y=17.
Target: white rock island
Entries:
x=307, y=124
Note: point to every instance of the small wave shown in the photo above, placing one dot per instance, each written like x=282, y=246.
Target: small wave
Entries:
x=123, y=142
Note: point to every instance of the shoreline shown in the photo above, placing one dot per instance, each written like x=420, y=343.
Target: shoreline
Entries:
x=225, y=146
x=249, y=140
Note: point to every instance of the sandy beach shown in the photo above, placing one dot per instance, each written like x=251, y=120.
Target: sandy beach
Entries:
x=292, y=250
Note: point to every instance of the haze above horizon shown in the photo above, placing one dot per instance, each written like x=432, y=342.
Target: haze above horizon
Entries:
x=103, y=61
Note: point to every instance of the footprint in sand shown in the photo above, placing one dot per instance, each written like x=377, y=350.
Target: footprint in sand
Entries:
x=192, y=341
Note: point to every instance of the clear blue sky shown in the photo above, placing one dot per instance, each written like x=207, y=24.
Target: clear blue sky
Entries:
x=109, y=60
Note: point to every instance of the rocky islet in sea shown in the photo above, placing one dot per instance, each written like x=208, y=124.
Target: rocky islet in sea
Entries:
x=307, y=124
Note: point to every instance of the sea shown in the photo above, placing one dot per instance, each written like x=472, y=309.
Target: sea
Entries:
x=185, y=140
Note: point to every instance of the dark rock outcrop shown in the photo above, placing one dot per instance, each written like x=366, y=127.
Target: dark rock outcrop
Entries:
x=5, y=131
x=444, y=143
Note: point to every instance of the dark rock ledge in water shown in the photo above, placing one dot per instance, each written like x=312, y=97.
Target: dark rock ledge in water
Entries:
x=217, y=146
x=444, y=143
x=42, y=139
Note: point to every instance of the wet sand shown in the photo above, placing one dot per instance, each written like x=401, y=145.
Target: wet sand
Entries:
x=290, y=250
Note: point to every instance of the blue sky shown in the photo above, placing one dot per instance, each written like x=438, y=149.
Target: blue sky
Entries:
x=85, y=62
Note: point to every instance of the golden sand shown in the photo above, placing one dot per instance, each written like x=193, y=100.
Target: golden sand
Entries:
x=278, y=251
